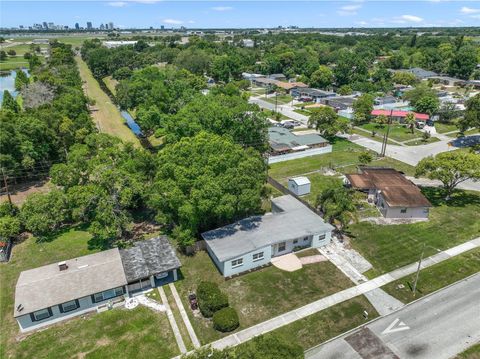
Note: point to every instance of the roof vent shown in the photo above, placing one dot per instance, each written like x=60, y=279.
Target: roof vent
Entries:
x=62, y=266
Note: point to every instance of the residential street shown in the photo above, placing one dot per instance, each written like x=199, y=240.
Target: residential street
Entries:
x=436, y=327
x=283, y=109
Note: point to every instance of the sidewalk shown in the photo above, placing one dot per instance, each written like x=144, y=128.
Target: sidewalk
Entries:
x=324, y=303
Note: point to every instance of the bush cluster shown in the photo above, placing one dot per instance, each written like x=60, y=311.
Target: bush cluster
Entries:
x=210, y=298
x=225, y=320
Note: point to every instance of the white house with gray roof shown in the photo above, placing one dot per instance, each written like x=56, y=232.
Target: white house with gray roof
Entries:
x=59, y=291
x=252, y=242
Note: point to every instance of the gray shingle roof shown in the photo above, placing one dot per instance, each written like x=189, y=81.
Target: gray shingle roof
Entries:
x=149, y=257
x=281, y=137
x=294, y=221
x=46, y=286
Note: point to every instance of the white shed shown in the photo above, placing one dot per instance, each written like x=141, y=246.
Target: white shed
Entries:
x=299, y=185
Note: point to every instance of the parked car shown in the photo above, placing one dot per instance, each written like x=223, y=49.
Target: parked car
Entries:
x=420, y=124
x=430, y=123
x=305, y=99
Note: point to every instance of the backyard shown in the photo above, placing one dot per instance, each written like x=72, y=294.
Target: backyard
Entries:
x=137, y=333
x=451, y=223
x=259, y=295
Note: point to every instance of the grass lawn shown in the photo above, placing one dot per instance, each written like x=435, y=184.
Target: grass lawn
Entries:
x=119, y=333
x=281, y=99
x=326, y=324
x=259, y=295
x=471, y=353
x=436, y=277
x=344, y=157
x=303, y=112
x=392, y=246
x=110, y=83
x=378, y=137
x=12, y=63
x=445, y=127
x=108, y=117
x=397, y=132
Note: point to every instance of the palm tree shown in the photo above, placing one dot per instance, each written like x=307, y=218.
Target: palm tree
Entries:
x=338, y=205
x=410, y=120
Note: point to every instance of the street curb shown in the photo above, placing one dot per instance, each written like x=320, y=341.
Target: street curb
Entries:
x=395, y=311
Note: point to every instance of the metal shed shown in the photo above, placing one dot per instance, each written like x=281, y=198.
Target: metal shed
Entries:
x=299, y=185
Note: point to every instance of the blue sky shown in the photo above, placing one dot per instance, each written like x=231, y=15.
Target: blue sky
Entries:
x=238, y=14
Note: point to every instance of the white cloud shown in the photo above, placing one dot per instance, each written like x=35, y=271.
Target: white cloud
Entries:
x=362, y=23
x=475, y=16
x=222, y=8
x=348, y=10
x=173, y=21
x=117, y=3
x=469, y=10
x=410, y=18
x=146, y=1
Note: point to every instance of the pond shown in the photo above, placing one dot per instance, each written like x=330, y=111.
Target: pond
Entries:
x=7, y=82
x=131, y=123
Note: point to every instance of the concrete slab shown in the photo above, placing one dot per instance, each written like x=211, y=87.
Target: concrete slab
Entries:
x=288, y=262
x=383, y=302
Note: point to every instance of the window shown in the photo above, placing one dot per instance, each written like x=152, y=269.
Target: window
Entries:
x=295, y=241
x=403, y=210
x=257, y=256
x=282, y=246
x=305, y=239
x=426, y=210
x=107, y=294
x=69, y=306
x=41, y=314
x=237, y=262
x=321, y=237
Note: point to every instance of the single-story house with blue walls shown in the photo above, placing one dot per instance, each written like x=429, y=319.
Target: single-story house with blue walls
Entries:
x=252, y=242
x=94, y=282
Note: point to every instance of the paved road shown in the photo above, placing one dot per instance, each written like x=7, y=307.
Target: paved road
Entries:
x=435, y=327
x=283, y=109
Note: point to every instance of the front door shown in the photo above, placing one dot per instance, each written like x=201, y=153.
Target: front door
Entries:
x=279, y=248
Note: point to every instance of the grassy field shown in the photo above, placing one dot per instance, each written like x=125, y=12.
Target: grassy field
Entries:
x=110, y=83
x=397, y=132
x=436, y=277
x=344, y=157
x=392, y=246
x=378, y=137
x=259, y=295
x=326, y=324
x=107, y=118
x=445, y=127
x=117, y=333
x=319, y=183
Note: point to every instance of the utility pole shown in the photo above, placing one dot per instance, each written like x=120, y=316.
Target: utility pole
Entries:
x=276, y=94
x=5, y=182
x=418, y=271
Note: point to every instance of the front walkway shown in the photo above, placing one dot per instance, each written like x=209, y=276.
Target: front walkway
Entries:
x=344, y=295
x=173, y=323
x=183, y=314
x=288, y=262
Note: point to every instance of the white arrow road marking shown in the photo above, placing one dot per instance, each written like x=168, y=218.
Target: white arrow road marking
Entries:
x=391, y=328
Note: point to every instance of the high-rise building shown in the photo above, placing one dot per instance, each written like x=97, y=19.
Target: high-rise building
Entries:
x=102, y=27
x=162, y=27
x=110, y=25
x=89, y=25
x=51, y=25
x=77, y=26
x=45, y=26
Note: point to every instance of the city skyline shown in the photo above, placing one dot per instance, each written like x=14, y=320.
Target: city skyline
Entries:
x=242, y=14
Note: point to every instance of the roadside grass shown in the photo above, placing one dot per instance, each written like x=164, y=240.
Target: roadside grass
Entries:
x=441, y=127
x=326, y=324
x=281, y=99
x=451, y=223
x=110, y=83
x=470, y=353
x=397, y=132
x=436, y=277
x=303, y=112
x=378, y=137
x=421, y=141
x=109, y=333
x=259, y=295
x=107, y=117
x=344, y=158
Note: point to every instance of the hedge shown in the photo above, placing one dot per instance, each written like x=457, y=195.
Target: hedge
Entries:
x=225, y=320
x=210, y=298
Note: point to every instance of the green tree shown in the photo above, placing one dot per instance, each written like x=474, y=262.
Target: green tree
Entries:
x=327, y=122
x=207, y=181
x=345, y=90
x=423, y=99
x=404, y=78
x=338, y=205
x=21, y=79
x=427, y=104
x=322, y=78
x=463, y=62
x=362, y=108
x=410, y=121
x=472, y=114
x=451, y=168
x=3, y=55
x=9, y=103
x=9, y=227
x=381, y=120
x=12, y=53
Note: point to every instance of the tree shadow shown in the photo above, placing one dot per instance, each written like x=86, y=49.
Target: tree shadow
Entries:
x=459, y=198
x=59, y=232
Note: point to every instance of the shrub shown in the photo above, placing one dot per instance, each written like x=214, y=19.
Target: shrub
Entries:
x=210, y=298
x=225, y=320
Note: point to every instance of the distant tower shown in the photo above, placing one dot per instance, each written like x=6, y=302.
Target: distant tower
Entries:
x=77, y=26
x=110, y=25
x=102, y=27
x=89, y=25
x=162, y=27
x=45, y=26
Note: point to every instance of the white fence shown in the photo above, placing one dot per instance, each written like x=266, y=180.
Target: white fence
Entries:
x=300, y=154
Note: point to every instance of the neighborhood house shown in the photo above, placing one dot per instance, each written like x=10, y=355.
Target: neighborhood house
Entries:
x=393, y=194
x=399, y=116
x=252, y=242
x=94, y=282
x=283, y=141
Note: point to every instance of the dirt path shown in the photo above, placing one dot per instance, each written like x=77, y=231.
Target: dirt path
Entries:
x=105, y=114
